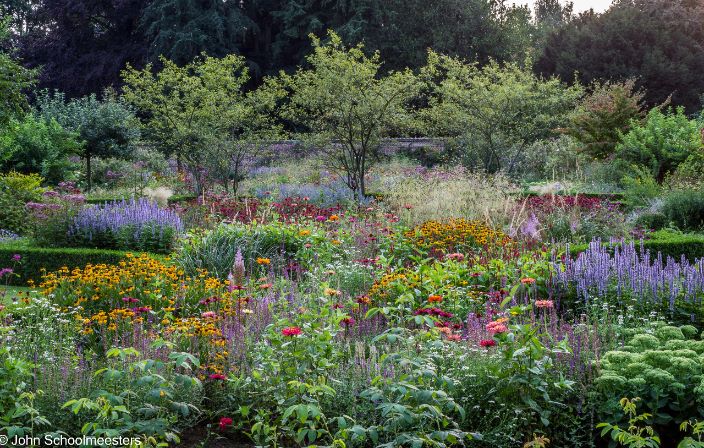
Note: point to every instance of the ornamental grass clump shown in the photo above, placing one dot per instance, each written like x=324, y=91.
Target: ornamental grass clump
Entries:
x=137, y=224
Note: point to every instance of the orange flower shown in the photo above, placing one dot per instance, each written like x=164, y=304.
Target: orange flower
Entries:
x=333, y=218
x=528, y=280
x=434, y=298
x=263, y=261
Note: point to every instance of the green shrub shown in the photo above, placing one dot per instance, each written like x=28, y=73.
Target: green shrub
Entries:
x=661, y=143
x=664, y=369
x=653, y=221
x=685, y=210
x=36, y=145
x=36, y=260
x=15, y=191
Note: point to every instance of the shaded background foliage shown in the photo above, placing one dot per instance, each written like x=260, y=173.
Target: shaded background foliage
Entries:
x=82, y=45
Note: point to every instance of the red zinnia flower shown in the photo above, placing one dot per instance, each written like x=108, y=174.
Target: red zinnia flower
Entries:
x=487, y=343
x=217, y=376
x=291, y=331
x=225, y=422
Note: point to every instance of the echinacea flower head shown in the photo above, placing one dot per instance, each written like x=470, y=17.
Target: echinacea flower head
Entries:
x=209, y=315
x=544, y=304
x=348, y=321
x=225, y=422
x=291, y=331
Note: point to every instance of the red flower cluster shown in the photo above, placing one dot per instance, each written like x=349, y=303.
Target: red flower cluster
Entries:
x=550, y=203
x=217, y=376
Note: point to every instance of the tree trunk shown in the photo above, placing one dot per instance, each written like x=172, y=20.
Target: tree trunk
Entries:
x=89, y=174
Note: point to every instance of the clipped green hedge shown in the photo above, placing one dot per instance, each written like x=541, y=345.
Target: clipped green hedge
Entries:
x=36, y=259
x=691, y=246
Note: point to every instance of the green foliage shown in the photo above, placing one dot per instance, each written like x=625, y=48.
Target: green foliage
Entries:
x=661, y=143
x=346, y=106
x=685, y=210
x=527, y=367
x=200, y=113
x=14, y=79
x=16, y=190
x=180, y=30
x=217, y=249
x=664, y=369
x=697, y=429
x=36, y=260
x=107, y=127
x=604, y=115
x=640, y=187
x=140, y=398
x=282, y=398
x=495, y=111
x=36, y=145
x=18, y=417
x=415, y=407
x=654, y=41
x=636, y=436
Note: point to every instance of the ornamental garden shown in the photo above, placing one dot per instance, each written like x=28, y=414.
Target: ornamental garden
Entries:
x=188, y=260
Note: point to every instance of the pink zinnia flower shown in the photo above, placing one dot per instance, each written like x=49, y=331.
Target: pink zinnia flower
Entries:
x=209, y=314
x=544, y=304
x=496, y=327
x=291, y=331
x=456, y=256
x=225, y=422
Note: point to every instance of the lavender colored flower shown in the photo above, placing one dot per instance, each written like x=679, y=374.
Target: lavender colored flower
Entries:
x=631, y=271
x=135, y=220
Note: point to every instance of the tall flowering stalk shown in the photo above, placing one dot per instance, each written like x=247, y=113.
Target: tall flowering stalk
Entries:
x=631, y=272
x=134, y=224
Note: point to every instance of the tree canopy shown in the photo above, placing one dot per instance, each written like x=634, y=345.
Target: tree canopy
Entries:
x=658, y=42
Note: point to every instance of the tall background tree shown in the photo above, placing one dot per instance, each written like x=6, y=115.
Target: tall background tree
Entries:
x=107, y=127
x=14, y=80
x=193, y=110
x=346, y=106
x=658, y=42
x=81, y=45
x=180, y=30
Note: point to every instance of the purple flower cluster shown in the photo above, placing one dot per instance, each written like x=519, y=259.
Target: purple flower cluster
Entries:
x=113, y=217
x=631, y=271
